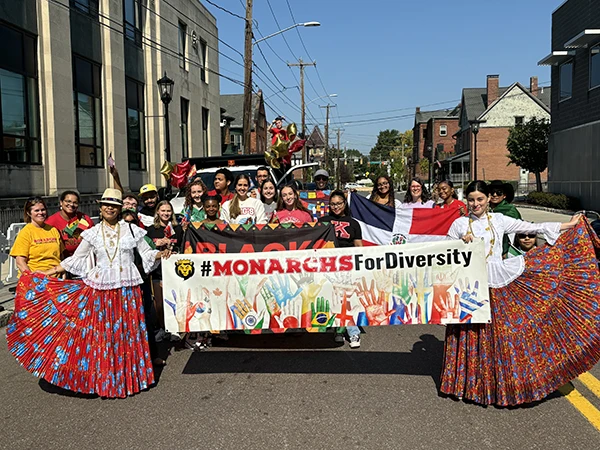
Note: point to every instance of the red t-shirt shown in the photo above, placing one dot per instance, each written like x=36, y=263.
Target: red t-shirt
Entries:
x=224, y=198
x=293, y=216
x=70, y=230
x=457, y=205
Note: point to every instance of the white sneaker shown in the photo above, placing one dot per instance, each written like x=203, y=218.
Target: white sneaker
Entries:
x=355, y=341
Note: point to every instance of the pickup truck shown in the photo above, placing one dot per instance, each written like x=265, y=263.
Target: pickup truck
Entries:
x=247, y=164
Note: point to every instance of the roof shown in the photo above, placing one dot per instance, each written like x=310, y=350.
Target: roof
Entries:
x=316, y=139
x=424, y=116
x=475, y=99
x=234, y=105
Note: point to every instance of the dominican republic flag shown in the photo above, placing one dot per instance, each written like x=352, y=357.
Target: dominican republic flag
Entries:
x=383, y=225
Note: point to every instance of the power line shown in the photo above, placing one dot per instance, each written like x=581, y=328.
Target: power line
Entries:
x=226, y=10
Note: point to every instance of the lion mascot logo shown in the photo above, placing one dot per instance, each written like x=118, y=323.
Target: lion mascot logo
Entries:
x=184, y=268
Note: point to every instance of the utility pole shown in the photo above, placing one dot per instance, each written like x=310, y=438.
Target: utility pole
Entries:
x=302, y=64
x=338, y=157
x=247, y=79
x=327, y=133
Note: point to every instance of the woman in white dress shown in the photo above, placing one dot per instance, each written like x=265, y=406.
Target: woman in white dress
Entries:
x=89, y=335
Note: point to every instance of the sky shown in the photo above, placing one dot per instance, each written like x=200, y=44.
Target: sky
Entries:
x=382, y=59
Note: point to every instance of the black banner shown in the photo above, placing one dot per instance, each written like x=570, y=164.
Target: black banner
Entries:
x=257, y=238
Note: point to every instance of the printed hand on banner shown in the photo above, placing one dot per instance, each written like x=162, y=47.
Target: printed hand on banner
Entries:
x=423, y=289
x=248, y=316
x=311, y=290
x=468, y=298
x=343, y=309
x=384, y=279
x=376, y=308
x=449, y=309
x=408, y=314
x=290, y=314
x=343, y=284
x=243, y=284
x=280, y=288
x=321, y=315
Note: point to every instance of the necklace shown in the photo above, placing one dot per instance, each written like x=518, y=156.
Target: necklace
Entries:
x=113, y=241
x=488, y=228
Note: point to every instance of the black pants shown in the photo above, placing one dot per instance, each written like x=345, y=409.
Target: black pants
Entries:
x=150, y=316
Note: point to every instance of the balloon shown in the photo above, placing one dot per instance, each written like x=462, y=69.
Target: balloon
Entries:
x=183, y=168
x=296, y=145
x=280, y=147
x=192, y=173
x=167, y=169
x=178, y=180
x=292, y=130
x=272, y=160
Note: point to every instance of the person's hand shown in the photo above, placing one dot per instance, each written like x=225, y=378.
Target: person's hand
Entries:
x=114, y=172
x=467, y=238
x=164, y=254
x=320, y=313
x=574, y=221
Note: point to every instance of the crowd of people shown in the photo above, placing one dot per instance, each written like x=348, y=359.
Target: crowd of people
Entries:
x=104, y=321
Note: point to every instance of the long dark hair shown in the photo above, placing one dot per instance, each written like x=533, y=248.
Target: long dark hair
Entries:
x=339, y=193
x=275, y=197
x=424, y=192
x=29, y=204
x=478, y=186
x=391, y=200
x=297, y=203
x=234, y=206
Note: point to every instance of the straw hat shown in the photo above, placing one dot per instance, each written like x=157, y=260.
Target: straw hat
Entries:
x=112, y=197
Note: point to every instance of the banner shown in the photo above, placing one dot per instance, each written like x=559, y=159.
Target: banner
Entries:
x=427, y=283
x=317, y=202
x=252, y=238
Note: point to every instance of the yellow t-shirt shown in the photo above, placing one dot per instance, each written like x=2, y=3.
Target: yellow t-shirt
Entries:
x=41, y=246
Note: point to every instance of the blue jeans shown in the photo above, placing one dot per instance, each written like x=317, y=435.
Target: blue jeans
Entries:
x=352, y=331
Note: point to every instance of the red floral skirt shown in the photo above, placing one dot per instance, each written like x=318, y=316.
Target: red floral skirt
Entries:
x=545, y=328
x=79, y=338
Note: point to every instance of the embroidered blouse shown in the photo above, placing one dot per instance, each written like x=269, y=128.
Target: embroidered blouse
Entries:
x=501, y=271
x=114, y=255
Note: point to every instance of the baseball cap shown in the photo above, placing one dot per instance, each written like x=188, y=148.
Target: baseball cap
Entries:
x=148, y=188
x=321, y=173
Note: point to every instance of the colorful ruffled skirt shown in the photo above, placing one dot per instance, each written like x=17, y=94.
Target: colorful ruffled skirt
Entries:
x=545, y=328
x=79, y=338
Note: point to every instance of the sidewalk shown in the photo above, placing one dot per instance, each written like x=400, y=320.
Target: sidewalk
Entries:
x=6, y=302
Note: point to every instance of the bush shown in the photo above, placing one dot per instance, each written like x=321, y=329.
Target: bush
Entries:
x=549, y=200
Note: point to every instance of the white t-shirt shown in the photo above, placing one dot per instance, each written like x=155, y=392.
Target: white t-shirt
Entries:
x=252, y=211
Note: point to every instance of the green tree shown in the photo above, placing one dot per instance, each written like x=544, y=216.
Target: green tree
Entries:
x=387, y=140
x=527, y=145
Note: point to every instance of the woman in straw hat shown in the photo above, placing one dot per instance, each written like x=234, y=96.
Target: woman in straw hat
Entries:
x=89, y=335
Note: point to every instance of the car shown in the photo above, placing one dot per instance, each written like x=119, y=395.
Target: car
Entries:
x=352, y=186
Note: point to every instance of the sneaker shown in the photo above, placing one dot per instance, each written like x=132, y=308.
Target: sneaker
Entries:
x=339, y=338
x=159, y=335
x=355, y=341
x=174, y=337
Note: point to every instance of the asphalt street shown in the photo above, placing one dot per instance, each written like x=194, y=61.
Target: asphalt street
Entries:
x=289, y=392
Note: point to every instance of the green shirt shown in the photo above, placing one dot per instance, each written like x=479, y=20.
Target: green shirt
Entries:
x=508, y=210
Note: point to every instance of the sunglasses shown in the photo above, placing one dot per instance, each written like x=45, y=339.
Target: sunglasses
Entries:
x=497, y=192
x=523, y=236
x=321, y=179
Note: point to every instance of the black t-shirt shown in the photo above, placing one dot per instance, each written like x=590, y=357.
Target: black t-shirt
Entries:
x=347, y=229
x=159, y=233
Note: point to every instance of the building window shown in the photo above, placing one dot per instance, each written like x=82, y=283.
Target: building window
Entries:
x=566, y=80
x=185, y=110
x=424, y=133
x=595, y=66
x=519, y=120
x=89, y=7
x=203, y=61
x=88, y=113
x=132, y=24
x=136, y=130
x=182, y=43
x=443, y=130
x=205, y=118
x=19, y=106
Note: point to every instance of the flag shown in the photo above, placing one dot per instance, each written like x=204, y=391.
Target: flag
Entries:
x=384, y=225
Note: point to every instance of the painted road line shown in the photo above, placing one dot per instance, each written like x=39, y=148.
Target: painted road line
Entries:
x=583, y=405
x=591, y=382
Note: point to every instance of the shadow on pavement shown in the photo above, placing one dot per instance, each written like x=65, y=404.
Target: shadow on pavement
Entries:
x=425, y=358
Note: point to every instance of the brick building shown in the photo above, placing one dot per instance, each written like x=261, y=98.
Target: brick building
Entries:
x=233, y=105
x=500, y=108
x=573, y=163
x=433, y=136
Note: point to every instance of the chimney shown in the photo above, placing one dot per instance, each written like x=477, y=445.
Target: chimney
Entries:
x=533, y=86
x=492, y=89
x=418, y=110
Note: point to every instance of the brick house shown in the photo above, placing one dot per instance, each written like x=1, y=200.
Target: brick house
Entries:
x=316, y=146
x=433, y=136
x=501, y=108
x=574, y=145
x=233, y=105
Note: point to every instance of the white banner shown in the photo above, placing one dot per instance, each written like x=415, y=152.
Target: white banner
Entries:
x=425, y=283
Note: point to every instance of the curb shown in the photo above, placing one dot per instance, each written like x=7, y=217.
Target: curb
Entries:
x=543, y=208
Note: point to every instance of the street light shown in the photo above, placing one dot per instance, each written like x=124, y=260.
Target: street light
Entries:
x=305, y=24
x=165, y=89
x=248, y=46
x=475, y=130
x=319, y=98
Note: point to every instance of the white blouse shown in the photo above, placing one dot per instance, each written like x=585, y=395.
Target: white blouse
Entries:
x=114, y=256
x=501, y=271
x=252, y=210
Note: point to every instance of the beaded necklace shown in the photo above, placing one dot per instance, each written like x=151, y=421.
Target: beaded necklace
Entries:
x=113, y=242
x=490, y=227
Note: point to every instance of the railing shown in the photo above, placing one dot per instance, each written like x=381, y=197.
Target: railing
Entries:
x=525, y=188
